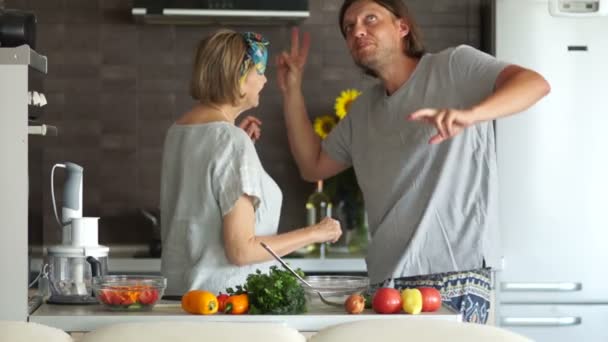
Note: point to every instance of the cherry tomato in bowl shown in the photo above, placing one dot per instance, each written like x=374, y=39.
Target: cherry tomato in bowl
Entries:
x=129, y=293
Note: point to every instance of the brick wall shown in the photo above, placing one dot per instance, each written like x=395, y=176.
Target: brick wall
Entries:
x=114, y=87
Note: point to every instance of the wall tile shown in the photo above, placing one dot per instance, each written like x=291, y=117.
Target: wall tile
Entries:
x=119, y=78
x=117, y=44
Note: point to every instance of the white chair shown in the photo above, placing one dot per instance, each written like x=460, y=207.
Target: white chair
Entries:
x=413, y=329
x=194, y=332
x=11, y=331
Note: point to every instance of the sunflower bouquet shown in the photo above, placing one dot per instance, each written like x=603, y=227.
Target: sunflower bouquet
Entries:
x=343, y=188
x=325, y=123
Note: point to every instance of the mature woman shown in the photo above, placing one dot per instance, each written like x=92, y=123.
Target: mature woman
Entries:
x=217, y=201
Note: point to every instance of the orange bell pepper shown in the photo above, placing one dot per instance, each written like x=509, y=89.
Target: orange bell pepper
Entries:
x=200, y=302
x=237, y=304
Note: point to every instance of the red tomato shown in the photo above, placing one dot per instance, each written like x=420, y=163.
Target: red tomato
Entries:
x=431, y=299
x=111, y=297
x=125, y=298
x=221, y=299
x=105, y=296
x=147, y=297
x=387, y=300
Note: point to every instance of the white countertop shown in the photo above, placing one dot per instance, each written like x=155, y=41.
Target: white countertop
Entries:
x=77, y=318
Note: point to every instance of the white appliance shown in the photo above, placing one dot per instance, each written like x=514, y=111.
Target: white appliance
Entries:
x=553, y=172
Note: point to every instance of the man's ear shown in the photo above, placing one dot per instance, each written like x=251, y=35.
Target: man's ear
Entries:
x=404, y=27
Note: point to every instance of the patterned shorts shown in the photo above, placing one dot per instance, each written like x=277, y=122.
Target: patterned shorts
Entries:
x=467, y=292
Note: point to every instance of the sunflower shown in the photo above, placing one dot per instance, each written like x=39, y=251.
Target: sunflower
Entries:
x=343, y=102
x=324, y=124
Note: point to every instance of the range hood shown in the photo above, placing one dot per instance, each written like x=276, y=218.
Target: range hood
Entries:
x=220, y=12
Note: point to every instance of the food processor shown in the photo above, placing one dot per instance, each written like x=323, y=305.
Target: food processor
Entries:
x=71, y=265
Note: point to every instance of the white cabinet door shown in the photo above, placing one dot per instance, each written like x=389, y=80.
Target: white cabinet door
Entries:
x=556, y=323
x=553, y=159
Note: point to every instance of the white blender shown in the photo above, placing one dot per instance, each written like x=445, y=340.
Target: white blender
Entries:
x=73, y=264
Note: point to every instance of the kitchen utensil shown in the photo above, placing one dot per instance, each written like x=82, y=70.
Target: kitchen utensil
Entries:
x=70, y=274
x=153, y=217
x=336, y=288
x=72, y=197
x=288, y=268
x=129, y=292
x=72, y=264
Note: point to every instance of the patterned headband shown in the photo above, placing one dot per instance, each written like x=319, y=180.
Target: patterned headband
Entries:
x=257, y=53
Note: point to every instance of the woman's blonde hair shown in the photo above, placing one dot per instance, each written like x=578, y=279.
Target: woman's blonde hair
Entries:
x=217, y=68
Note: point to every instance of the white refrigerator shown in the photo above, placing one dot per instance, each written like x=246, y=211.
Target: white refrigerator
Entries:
x=553, y=172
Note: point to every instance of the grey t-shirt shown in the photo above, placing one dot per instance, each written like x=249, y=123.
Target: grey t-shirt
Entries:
x=205, y=169
x=431, y=208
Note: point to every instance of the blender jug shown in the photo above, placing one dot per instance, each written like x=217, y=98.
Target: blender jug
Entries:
x=71, y=271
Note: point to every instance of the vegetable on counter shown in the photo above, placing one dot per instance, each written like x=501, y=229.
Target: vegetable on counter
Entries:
x=431, y=299
x=237, y=304
x=128, y=297
x=412, y=301
x=276, y=293
x=354, y=304
x=221, y=300
x=200, y=302
x=387, y=300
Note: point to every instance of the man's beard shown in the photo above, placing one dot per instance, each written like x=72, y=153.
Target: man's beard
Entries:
x=370, y=66
x=366, y=69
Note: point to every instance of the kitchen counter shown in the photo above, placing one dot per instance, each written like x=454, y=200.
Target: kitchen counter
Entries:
x=308, y=265
x=83, y=318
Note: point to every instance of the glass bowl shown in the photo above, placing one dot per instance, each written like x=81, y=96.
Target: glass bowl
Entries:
x=335, y=288
x=129, y=292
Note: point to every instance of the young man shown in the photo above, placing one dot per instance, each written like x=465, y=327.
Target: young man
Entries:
x=421, y=142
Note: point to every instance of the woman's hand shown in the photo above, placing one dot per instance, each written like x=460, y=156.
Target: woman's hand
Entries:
x=290, y=66
x=251, y=126
x=328, y=230
x=448, y=122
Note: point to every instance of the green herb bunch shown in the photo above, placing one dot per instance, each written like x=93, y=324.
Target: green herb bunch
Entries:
x=275, y=293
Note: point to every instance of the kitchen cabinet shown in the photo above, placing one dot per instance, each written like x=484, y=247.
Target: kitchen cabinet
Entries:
x=83, y=318
x=16, y=65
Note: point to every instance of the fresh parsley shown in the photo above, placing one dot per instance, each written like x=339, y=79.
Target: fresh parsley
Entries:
x=275, y=293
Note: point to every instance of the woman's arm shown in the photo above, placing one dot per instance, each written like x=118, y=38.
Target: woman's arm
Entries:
x=243, y=246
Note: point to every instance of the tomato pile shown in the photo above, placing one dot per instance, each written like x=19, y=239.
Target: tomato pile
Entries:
x=389, y=301
x=128, y=297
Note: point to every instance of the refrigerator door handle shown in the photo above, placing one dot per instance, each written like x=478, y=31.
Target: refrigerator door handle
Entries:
x=540, y=321
x=552, y=287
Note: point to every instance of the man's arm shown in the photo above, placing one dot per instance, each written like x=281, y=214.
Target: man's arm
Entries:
x=305, y=145
x=516, y=89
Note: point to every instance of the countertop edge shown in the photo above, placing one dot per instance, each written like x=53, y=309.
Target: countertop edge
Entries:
x=88, y=321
